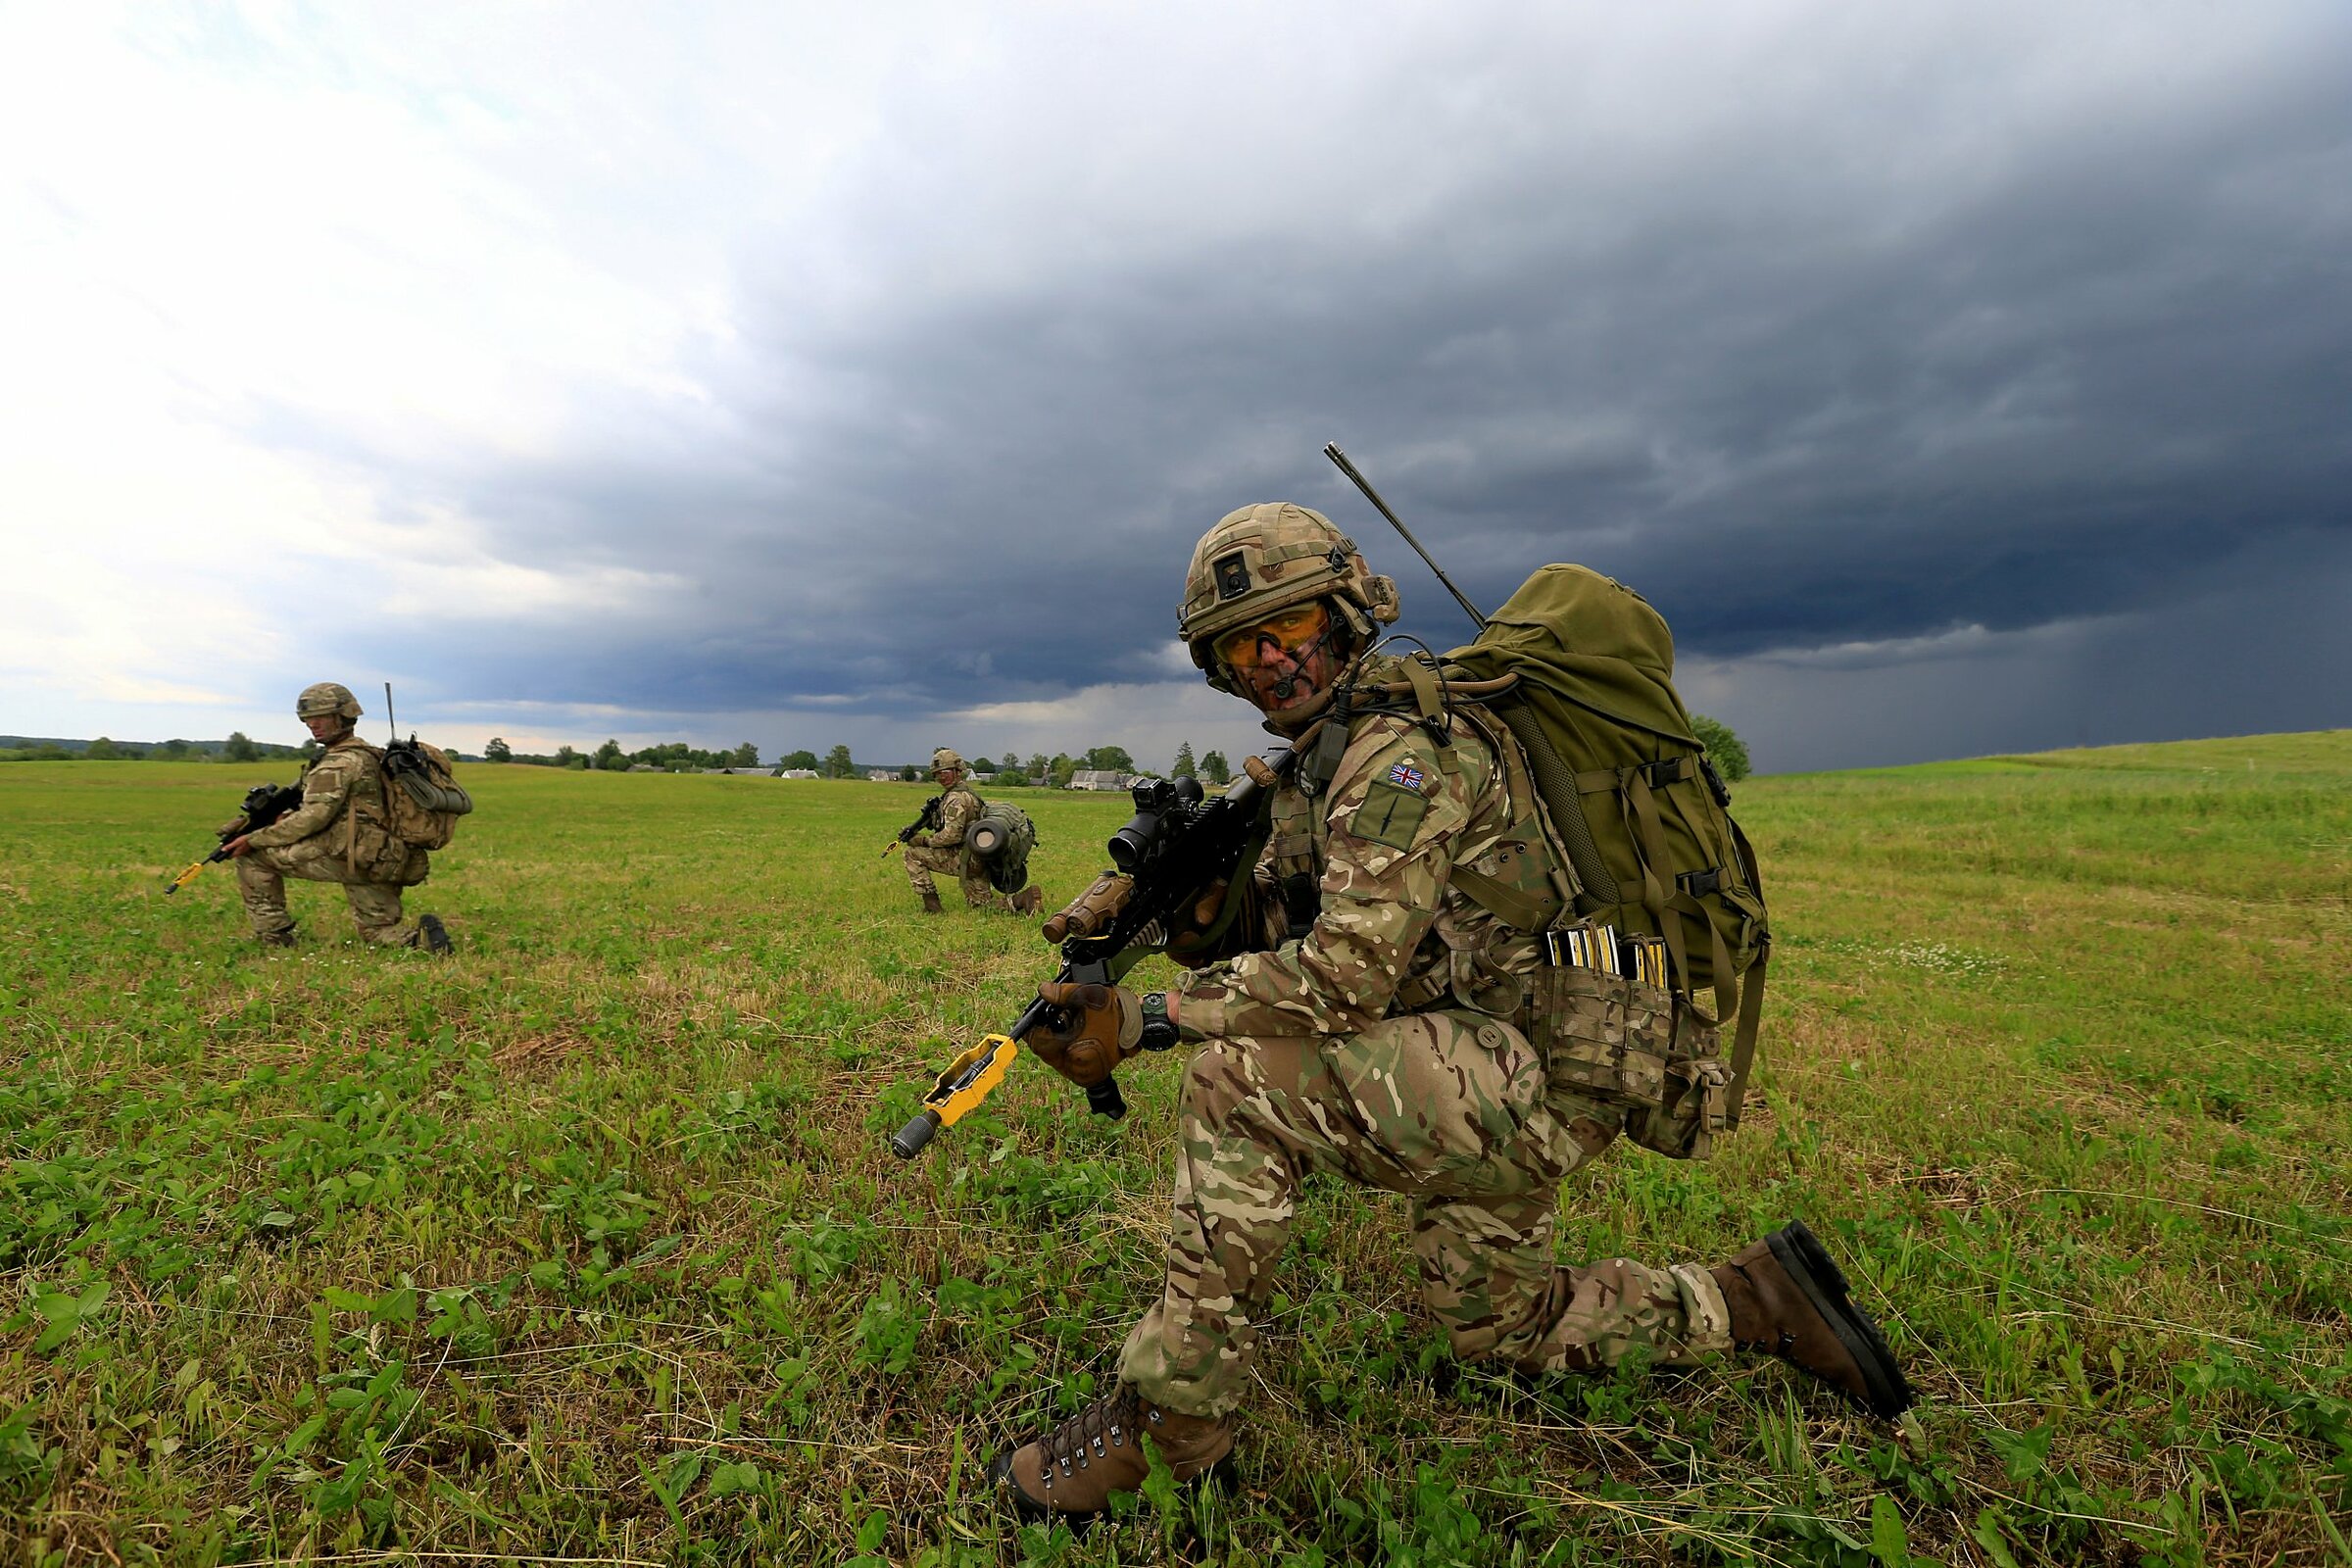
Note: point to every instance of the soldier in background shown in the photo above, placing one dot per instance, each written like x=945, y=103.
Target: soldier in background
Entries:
x=341, y=832
x=942, y=849
x=1373, y=1028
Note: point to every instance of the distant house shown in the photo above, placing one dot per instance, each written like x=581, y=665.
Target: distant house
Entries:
x=798, y=772
x=646, y=767
x=746, y=772
x=881, y=775
x=1099, y=778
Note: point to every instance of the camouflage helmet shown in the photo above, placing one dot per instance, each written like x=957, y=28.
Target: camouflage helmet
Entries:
x=946, y=758
x=327, y=697
x=1268, y=558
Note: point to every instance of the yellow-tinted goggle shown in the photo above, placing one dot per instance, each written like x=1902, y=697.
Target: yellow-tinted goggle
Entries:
x=1284, y=634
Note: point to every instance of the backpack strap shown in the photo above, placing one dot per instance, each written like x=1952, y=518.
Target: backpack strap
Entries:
x=351, y=820
x=1430, y=708
x=1744, y=1038
x=1317, y=768
x=1515, y=906
x=1658, y=775
x=1563, y=806
x=1668, y=910
x=1752, y=989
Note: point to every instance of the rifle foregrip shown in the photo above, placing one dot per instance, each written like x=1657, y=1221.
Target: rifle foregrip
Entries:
x=911, y=1139
x=1105, y=1100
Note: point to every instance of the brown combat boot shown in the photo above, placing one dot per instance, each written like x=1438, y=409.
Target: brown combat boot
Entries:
x=283, y=937
x=931, y=905
x=1029, y=899
x=1787, y=1298
x=1072, y=1471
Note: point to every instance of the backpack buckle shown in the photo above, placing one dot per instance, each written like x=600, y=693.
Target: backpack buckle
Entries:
x=1698, y=884
x=1662, y=773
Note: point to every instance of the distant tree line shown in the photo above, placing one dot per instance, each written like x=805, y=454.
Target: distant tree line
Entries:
x=238, y=748
x=1725, y=749
x=674, y=757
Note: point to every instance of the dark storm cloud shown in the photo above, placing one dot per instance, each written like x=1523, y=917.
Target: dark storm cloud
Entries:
x=1821, y=392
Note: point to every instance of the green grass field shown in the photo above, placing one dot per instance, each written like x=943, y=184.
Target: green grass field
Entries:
x=586, y=1246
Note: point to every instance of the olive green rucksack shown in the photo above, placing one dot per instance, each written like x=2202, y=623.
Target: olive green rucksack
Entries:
x=1633, y=799
x=425, y=799
x=1001, y=837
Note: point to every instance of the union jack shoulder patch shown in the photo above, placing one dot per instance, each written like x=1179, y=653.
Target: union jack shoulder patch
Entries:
x=1406, y=775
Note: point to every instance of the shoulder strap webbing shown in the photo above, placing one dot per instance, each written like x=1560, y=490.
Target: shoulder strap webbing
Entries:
x=1514, y=908
x=1743, y=1039
x=1752, y=988
x=1557, y=787
x=1521, y=911
x=1669, y=909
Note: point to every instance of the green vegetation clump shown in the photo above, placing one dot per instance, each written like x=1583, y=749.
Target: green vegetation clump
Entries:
x=1726, y=751
x=585, y=1243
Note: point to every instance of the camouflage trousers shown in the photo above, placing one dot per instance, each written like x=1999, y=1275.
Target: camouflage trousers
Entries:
x=921, y=862
x=374, y=906
x=1449, y=1108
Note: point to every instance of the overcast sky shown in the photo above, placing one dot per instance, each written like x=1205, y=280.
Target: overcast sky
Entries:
x=1956, y=377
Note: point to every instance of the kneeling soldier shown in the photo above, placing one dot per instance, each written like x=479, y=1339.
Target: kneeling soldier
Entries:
x=942, y=847
x=341, y=832
x=1344, y=1044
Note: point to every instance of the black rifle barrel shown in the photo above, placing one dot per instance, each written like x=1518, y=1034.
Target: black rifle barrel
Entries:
x=1331, y=450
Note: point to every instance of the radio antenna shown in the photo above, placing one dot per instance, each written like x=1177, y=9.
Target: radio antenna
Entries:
x=1331, y=450
x=392, y=724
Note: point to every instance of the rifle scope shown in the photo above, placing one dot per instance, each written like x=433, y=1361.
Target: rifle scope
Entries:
x=1159, y=808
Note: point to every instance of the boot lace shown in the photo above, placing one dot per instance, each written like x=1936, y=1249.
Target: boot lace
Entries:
x=1108, y=1423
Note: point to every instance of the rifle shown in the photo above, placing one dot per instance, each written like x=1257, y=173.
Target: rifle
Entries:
x=928, y=816
x=264, y=805
x=1172, y=852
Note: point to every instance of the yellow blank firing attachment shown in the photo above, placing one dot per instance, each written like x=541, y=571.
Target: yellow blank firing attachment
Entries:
x=969, y=1078
x=184, y=878
x=967, y=1081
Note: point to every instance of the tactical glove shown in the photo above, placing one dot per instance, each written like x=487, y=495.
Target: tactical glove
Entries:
x=1102, y=1027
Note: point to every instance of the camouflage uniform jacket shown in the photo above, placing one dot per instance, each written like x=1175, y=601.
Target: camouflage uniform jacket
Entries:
x=1387, y=851
x=343, y=811
x=959, y=808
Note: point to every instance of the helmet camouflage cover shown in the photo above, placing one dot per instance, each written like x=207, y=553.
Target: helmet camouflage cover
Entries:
x=327, y=697
x=946, y=758
x=1268, y=558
